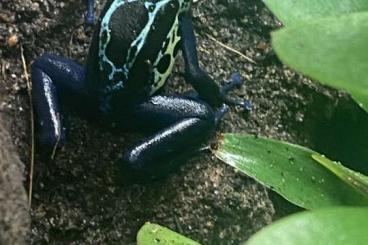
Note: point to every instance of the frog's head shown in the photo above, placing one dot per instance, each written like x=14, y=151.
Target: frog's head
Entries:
x=130, y=33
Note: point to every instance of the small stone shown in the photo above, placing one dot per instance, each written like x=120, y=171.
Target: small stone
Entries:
x=13, y=41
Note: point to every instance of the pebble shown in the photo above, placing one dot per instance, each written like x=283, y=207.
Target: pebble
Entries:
x=13, y=41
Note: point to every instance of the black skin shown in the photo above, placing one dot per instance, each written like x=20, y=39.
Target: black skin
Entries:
x=179, y=124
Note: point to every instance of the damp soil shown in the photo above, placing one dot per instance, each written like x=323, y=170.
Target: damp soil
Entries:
x=78, y=198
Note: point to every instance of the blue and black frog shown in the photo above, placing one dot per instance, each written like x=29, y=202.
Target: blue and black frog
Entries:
x=131, y=56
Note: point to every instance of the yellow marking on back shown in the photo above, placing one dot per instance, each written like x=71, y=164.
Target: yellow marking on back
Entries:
x=160, y=78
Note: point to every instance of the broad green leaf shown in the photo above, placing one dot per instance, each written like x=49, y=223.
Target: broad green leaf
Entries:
x=289, y=170
x=355, y=179
x=337, y=226
x=151, y=234
x=292, y=11
x=331, y=50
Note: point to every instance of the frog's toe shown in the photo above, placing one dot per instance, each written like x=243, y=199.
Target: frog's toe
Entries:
x=90, y=20
x=235, y=81
x=236, y=78
x=221, y=112
x=246, y=105
x=90, y=16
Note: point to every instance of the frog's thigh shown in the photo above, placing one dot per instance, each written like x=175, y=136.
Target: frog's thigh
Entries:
x=65, y=73
x=182, y=125
x=52, y=74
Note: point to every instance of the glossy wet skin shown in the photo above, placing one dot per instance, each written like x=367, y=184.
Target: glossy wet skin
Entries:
x=131, y=56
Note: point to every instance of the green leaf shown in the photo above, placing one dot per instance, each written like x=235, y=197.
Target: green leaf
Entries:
x=289, y=170
x=355, y=179
x=292, y=11
x=331, y=50
x=151, y=234
x=338, y=226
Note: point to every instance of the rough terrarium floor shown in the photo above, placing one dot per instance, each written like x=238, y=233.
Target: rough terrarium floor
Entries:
x=78, y=199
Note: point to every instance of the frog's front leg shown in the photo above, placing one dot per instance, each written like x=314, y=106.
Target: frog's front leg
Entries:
x=90, y=16
x=200, y=80
x=180, y=124
x=53, y=76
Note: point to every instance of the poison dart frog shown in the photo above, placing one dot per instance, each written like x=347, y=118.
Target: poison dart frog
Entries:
x=131, y=56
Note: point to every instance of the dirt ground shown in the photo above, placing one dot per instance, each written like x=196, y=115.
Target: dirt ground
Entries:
x=78, y=198
x=14, y=215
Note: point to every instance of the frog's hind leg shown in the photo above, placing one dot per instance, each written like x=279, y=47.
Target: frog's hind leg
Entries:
x=51, y=76
x=182, y=125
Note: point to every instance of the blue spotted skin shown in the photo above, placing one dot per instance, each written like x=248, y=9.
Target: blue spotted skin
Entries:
x=130, y=58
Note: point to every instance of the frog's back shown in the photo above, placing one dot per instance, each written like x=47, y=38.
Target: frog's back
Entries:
x=134, y=47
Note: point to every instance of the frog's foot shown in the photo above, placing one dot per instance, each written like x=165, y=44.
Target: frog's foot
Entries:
x=235, y=81
x=221, y=112
x=246, y=105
